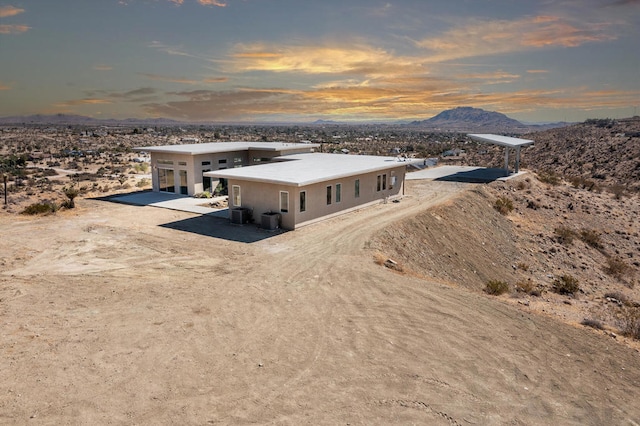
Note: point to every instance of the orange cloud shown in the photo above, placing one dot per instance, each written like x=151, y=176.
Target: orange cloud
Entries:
x=85, y=101
x=4, y=87
x=537, y=71
x=483, y=38
x=212, y=3
x=215, y=80
x=169, y=79
x=13, y=29
x=6, y=11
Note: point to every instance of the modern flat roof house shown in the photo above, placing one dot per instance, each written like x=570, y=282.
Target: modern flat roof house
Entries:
x=180, y=168
x=304, y=188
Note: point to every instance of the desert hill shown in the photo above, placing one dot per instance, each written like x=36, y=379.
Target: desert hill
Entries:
x=596, y=152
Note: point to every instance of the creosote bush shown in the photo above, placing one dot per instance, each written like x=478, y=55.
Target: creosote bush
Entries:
x=628, y=319
x=40, y=208
x=592, y=323
x=564, y=235
x=503, y=205
x=496, y=287
x=549, y=177
x=616, y=267
x=565, y=284
x=591, y=237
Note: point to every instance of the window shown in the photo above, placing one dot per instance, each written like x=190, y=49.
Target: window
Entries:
x=357, y=189
x=206, y=163
x=236, y=196
x=183, y=182
x=338, y=192
x=237, y=160
x=303, y=201
x=284, y=202
x=223, y=161
x=328, y=194
x=206, y=182
x=167, y=162
x=384, y=182
x=393, y=182
x=379, y=186
x=165, y=180
x=182, y=163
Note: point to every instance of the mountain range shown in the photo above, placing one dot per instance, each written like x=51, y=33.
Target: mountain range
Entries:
x=460, y=119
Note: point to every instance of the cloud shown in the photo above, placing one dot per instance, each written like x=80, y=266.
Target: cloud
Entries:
x=212, y=3
x=537, y=71
x=85, y=101
x=6, y=11
x=13, y=29
x=101, y=67
x=491, y=37
x=493, y=77
x=169, y=79
x=215, y=80
x=4, y=87
x=349, y=58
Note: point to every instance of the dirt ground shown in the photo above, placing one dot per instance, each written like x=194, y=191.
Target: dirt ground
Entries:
x=118, y=314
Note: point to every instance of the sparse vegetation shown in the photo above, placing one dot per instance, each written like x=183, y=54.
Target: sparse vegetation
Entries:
x=527, y=287
x=628, y=318
x=496, y=287
x=591, y=237
x=205, y=194
x=593, y=323
x=549, y=177
x=564, y=235
x=616, y=267
x=503, y=205
x=71, y=192
x=40, y=208
x=566, y=284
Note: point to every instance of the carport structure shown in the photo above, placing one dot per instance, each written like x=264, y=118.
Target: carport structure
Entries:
x=506, y=141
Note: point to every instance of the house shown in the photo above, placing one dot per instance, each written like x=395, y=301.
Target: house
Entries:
x=305, y=188
x=180, y=168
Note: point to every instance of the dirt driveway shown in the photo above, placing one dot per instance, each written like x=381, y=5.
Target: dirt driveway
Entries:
x=115, y=314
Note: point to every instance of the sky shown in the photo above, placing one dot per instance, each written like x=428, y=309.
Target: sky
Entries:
x=229, y=61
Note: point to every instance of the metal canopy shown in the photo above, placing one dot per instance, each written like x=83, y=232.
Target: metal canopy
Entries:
x=507, y=142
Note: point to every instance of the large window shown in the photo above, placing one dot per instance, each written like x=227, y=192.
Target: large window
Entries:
x=303, y=201
x=357, y=188
x=236, y=196
x=384, y=182
x=379, y=185
x=338, y=192
x=284, y=202
x=206, y=182
x=166, y=180
x=328, y=194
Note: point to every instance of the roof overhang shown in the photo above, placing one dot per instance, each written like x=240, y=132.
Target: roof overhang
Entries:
x=500, y=140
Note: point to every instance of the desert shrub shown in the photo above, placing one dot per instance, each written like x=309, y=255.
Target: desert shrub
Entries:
x=619, y=296
x=616, y=267
x=525, y=287
x=564, y=235
x=496, y=287
x=549, y=177
x=205, y=194
x=618, y=191
x=628, y=319
x=591, y=237
x=40, y=208
x=503, y=205
x=592, y=323
x=565, y=284
x=71, y=192
x=523, y=266
x=143, y=182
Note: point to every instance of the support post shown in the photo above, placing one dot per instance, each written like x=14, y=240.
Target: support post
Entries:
x=506, y=160
x=517, y=159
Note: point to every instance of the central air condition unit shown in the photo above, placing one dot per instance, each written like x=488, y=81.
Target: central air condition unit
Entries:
x=270, y=220
x=240, y=215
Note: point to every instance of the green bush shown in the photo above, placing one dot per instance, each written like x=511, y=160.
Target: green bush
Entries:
x=503, y=205
x=496, y=287
x=205, y=194
x=566, y=284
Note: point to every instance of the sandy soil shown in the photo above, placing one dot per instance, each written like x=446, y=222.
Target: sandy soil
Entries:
x=115, y=314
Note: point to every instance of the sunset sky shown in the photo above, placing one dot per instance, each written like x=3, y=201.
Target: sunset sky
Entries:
x=304, y=60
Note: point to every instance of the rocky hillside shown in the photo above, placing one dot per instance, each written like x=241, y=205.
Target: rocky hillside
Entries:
x=603, y=153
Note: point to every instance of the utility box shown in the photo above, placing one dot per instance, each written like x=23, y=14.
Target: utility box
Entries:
x=240, y=215
x=270, y=221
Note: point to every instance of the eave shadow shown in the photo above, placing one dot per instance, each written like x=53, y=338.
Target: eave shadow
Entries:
x=221, y=227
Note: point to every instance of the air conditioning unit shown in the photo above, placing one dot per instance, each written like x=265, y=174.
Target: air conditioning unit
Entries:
x=240, y=215
x=270, y=221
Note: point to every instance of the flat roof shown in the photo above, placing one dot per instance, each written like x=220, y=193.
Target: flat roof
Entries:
x=500, y=140
x=307, y=169
x=217, y=147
